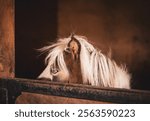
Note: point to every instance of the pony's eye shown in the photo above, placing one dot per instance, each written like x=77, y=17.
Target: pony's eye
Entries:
x=54, y=70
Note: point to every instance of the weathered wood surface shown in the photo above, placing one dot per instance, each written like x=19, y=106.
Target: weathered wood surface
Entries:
x=33, y=98
x=7, y=38
x=3, y=96
x=16, y=86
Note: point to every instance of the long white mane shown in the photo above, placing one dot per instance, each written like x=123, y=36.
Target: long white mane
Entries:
x=96, y=68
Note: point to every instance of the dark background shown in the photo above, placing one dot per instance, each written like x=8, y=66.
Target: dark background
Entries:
x=35, y=25
x=122, y=25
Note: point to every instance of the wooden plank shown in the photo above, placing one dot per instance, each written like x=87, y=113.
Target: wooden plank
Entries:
x=3, y=96
x=7, y=38
x=16, y=86
x=33, y=98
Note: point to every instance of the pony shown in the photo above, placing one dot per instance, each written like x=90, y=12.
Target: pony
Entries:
x=75, y=60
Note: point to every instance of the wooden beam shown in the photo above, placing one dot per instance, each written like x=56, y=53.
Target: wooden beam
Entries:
x=7, y=38
x=3, y=96
x=16, y=86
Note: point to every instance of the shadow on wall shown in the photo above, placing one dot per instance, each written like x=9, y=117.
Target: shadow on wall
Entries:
x=36, y=24
x=122, y=26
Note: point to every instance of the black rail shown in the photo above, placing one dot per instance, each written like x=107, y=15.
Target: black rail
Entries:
x=10, y=89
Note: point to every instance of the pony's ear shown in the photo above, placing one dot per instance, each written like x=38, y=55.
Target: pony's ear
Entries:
x=72, y=35
x=74, y=39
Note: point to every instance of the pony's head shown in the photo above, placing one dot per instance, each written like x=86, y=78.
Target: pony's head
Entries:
x=75, y=60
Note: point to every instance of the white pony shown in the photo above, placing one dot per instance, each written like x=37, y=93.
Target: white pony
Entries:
x=90, y=64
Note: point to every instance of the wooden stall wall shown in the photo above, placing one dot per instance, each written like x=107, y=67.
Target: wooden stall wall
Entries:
x=122, y=25
x=7, y=38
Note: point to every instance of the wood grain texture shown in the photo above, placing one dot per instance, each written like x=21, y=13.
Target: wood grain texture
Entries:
x=38, y=91
x=7, y=38
x=3, y=96
x=32, y=98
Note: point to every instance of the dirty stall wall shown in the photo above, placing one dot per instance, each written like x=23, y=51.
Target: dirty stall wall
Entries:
x=35, y=26
x=7, y=38
x=120, y=25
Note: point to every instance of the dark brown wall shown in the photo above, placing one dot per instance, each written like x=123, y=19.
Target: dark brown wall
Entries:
x=7, y=38
x=120, y=25
x=35, y=26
